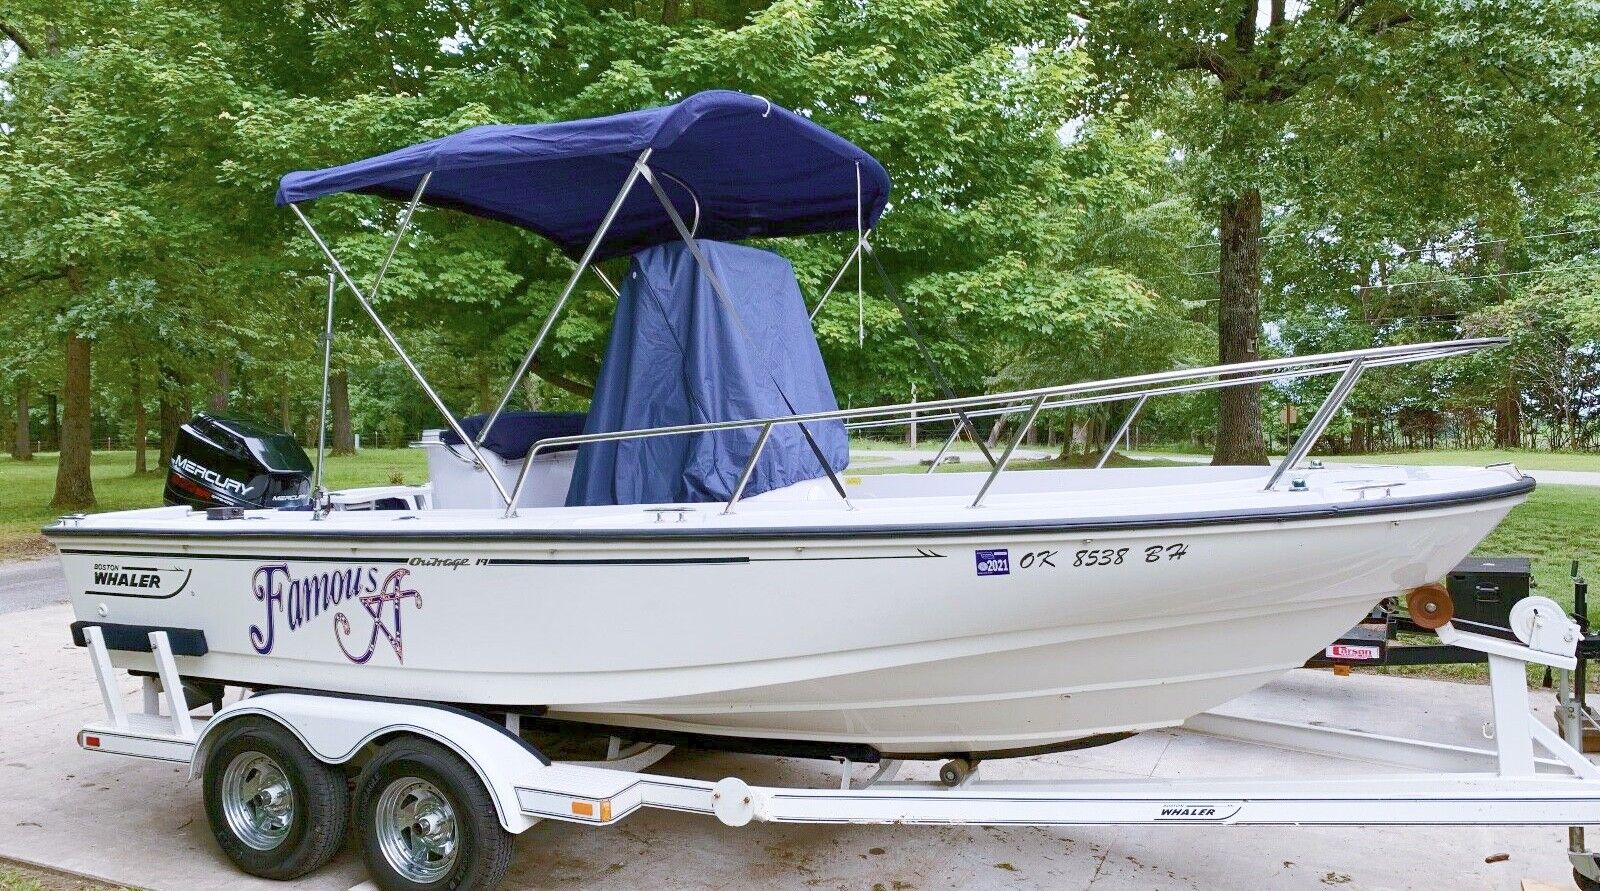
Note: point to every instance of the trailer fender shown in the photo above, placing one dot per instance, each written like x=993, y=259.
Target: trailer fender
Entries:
x=335, y=728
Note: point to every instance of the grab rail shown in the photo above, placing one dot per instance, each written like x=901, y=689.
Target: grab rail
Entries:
x=1348, y=363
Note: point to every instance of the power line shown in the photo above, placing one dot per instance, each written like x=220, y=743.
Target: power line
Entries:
x=1536, y=235
x=1468, y=245
x=1446, y=247
x=1468, y=278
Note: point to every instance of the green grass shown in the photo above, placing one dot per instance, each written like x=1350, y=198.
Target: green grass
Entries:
x=1556, y=525
x=1526, y=459
x=22, y=877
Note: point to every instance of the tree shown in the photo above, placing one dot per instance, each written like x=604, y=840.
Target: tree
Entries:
x=1425, y=107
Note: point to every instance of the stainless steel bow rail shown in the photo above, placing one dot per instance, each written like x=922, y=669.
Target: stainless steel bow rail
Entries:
x=1349, y=365
x=1509, y=782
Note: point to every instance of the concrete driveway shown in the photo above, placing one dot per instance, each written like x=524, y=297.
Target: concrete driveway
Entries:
x=141, y=823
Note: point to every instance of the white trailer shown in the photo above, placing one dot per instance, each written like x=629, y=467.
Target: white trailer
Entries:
x=438, y=791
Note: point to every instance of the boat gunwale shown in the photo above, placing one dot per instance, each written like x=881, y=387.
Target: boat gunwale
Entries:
x=748, y=534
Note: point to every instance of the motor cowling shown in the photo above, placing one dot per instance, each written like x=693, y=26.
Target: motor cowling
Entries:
x=229, y=461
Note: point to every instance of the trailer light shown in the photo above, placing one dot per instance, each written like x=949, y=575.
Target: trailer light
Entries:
x=91, y=742
x=605, y=810
x=583, y=808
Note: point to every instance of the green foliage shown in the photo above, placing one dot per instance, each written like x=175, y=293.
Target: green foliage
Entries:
x=1051, y=166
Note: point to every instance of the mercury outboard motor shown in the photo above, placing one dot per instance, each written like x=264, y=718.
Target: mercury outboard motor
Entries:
x=223, y=461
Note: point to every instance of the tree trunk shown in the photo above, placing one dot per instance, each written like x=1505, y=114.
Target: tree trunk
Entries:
x=1066, y=420
x=344, y=438
x=74, y=488
x=1358, y=437
x=52, y=423
x=995, y=431
x=285, y=406
x=140, y=424
x=1239, y=435
x=219, y=393
x=22, y=443
x=1508, y=415
x=485, y=391
x=172, y=409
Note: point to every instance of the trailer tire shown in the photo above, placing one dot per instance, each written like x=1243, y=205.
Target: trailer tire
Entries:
x=275, y=810
x=427, y=821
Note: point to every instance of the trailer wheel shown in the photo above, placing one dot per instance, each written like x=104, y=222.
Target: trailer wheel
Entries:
x=428, y=822
x=1583, y=882
x=274, y=809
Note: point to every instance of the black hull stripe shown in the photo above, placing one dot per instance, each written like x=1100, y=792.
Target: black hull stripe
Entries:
x=613, y=561
x=608, y=561
x=96, y=552
x=1511, y=489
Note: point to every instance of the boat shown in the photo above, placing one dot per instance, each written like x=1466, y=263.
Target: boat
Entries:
x=694, y=558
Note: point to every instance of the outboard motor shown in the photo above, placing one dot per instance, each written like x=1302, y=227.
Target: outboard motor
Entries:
x=223, y=461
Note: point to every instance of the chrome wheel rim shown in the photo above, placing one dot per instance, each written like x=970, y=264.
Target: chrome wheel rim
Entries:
x=257, y=800
x=416, y=829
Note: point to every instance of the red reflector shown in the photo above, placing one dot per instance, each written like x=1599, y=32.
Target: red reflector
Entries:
x=92, y=742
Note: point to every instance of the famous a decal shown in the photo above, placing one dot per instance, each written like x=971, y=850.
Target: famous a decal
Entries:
x=295, y=600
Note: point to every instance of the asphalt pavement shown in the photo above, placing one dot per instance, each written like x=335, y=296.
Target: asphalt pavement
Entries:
x=28, y=584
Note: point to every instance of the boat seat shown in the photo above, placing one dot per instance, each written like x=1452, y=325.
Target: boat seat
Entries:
x=515, y=432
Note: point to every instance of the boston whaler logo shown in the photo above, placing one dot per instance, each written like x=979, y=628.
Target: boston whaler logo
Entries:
x=1197, y=812
x=299, y=599
x=139, y=581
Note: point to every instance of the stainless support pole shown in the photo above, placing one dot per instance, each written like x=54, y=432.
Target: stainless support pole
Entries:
x=400, y=234
x=948, y=442
x=605, y=280
x=749, y=469
x=394, y=343
x=1033, y=413
x=893, y=293
x=322, y=415
x=1319, y=421
x=837, y=276
x=733, y=313
x=572, y=282
x=1127, y=422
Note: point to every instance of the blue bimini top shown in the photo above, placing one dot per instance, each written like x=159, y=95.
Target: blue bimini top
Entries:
x=753, y=168
x=677, y=355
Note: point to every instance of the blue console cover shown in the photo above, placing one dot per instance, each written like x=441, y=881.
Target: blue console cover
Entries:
x=677, y=355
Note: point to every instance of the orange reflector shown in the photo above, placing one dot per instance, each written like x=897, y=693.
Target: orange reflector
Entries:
x=92, y=742
x=583, y=808
x=1342, y=671
x=605, y=810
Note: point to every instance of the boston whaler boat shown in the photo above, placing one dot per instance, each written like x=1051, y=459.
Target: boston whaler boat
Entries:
x=656, y=578
x=692, y=559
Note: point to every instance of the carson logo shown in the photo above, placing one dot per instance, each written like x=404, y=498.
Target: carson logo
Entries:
x=994, y=562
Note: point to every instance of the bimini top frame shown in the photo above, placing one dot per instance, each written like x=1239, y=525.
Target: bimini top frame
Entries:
x=743, y=166
x=721, y=148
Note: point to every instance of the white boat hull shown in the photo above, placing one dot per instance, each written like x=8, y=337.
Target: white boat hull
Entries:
x=1004, y=639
